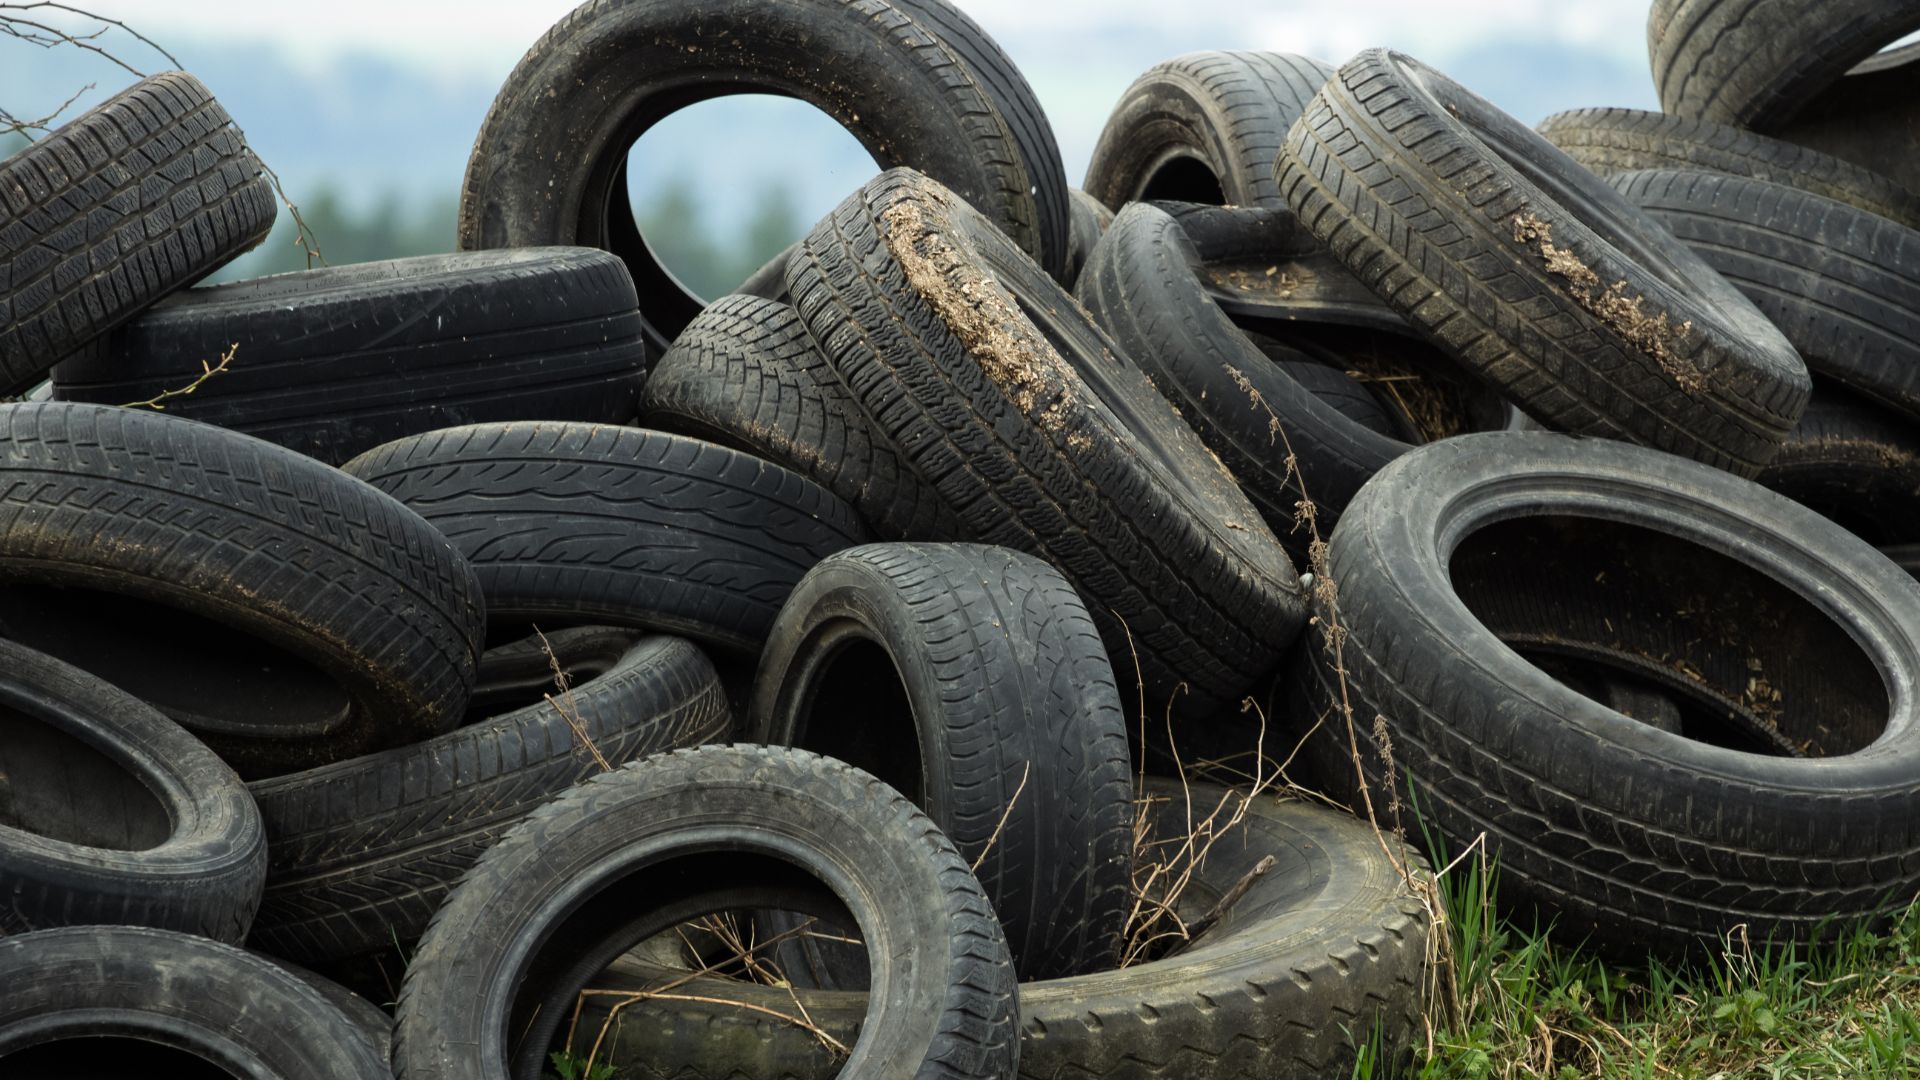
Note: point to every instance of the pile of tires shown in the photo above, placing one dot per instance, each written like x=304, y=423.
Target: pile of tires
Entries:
x=506, y=664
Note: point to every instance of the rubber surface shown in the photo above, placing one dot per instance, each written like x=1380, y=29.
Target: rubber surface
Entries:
x=1854, y=462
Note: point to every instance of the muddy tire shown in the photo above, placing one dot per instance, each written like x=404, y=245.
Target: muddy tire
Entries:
x=1612, y=141
x=336, y=361
x=972, y=680
x=1203, y=127
x=111, y=813
x=1855, y=463
x=620, y=858
x=1518, y=551
x=363, y=852
x=915, y=81
x=1838, y=281
x=289, y=615
x=1756, y=65
x=586, y=524
x=1042, y=437
x=145, y=193
x=1531, y=271
x=746, y=374
x=1324, y=945
x=139, y=1002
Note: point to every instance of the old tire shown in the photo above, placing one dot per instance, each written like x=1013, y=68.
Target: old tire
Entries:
x=972, y=680
x=1628, y=140
x=1041, y=437
x=111, y=993
x=1203, y=127
x=1088, y=219
x=111, y=813
x=363, y=852
x=336, y=361
x=746, y=374
x=636, y=851
x=585, y=523
x=1531, y=271
x=145, y=193
x=287, y=614
x=916, y=81
x=1855, y=463
x=518, y=672
x=1785, y=803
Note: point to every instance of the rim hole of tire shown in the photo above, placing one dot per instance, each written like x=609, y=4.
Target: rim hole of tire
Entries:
x=55, y=785
x=107, y=1057
x=723, y=185
x=1742, y=660
x=859, y=712
x=208, y=676
x=1184, y=179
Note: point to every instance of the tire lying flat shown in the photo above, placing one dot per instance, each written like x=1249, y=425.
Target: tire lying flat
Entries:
x=143, y=194
x=1531, y=271
x=1856, y=463
x=336, y=361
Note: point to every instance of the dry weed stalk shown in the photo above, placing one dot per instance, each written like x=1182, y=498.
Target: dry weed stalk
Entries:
x=567, y=706
x=207, y=371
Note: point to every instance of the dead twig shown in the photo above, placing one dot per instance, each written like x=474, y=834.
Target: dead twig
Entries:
x=207, y=371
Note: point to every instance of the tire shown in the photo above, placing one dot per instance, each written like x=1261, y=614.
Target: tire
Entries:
x=1043, y=437
x=1088, y=220
x=1869, y=117
x=1839, y=282
x=972, y=680
x=112, y=813
x=1335, y=388
x=914, y=80
x=1462, y=561
x=1856, y=464
x=287, y=614
x=145, y=193
x=519, y=672
x=1906, y=557
x=1529, y=270
x=1320, y=948
x=589, y=524
x=337, y=361
x=376, y=1022
x=1754, y=64
x=577, y=871
x=152, y=1002
x=1628, y=140
x=363, y=852
x=746, y=374
x=1203, y=127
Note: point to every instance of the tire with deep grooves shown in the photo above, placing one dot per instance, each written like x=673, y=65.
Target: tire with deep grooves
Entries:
x=118, y=506
x=1020, y=733
x=143, y=194
x=1042, y=437
x=586, y=523
x=746, y=374
x=1856, y=463
x=110, y=813
x=363, y=852
x=1626, y=140
x=596, y=868
x=336, y=361
x=1531, y=271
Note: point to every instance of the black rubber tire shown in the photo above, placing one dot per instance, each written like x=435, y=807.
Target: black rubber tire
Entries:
x=1088, y=219
x=70, y=987
x=1530, y=270
x=1904, y=556
x=1871, y=117
x=1855, y=463
x=111, y=813
x=746, y=374
x=363, y=852
x=1838, y=281
x=287, y=614
x=1324, y=944
x=650, y=845
x=1042, y=437
x=376, y=1022
x=337, y=361
x=584, y=523
x=1459, y=557
x=972, y=680
x=1627, y=140
x=1757, y=63
x=145, y=193
x=915, y=81
x=1203, y=127
x=1335, y=389
x=519, y=672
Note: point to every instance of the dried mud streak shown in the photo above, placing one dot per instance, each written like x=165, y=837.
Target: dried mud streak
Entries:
x=1648, y=333
x=982, y=314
